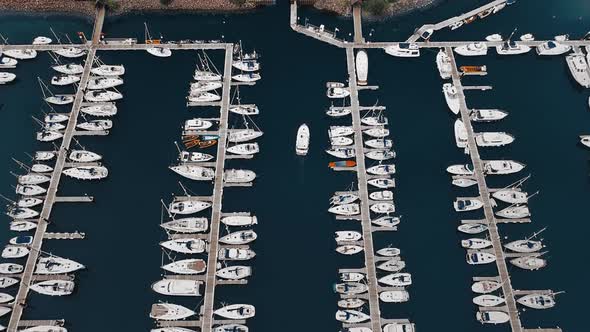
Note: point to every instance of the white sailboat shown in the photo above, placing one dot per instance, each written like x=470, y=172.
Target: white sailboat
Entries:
x=511, y=195
x=206, y=76
x=69, y=69
x=100, y=109
x=524, y=246
x=158, y=51
x=382, y=183
x=342, y=153
x=84, y=156
x=382, y=169
x=389, y=252
x=383, y=195
x=236, y=311
x=492, y=317
x=362, y=67
x=246, y=65
x=188, y=206
x=186, y=266
x=102, y=95
x=203, y=97
x=380, y=155
x=30, y=190
x=244, y=109
x=22, y=213
x=537, y=301
x=54, y=287
x=246, y=77
x=235, y=272
x=48, y=136
x=243, y=135
x=6, y=77
x=169, y=311
x=101, y=83
x=474, y=228
x=60, y=99
x=244, y=149
x=6, y=62
x=55, y=118
x=56, y=265
x=41, y=40
x=21, y=54
x=29, y=201
x=22, y=226
x=302, y=140
x=12, y=251
x=351, y=316
x=63, y=80
x=501, y=167
x=194, y=157
x=187, y=225
x=472, y=49
x=205, y=86
x=345, y=209
x=514, y=212
x=351, y=303
x=11, y=268
x=70, y=52
x=396, y=280
x=337, y=131
x=185, y=245
x=585, y=140
x=377, y=132
x=194, y=172
x=6, y=282
x=108, y=70
x=392, y=265
x=485, y=286
x=529, y=262
x=239, y=237
x=349, y=249
x=488, y=300
x=350, y=288
x=33, y=178
x=87, y=172
x=386, y=221
x=476, y=243
x=379, y=143
x=95, y=125
x=382, y=207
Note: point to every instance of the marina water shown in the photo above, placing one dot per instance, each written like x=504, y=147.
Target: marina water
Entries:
x=296, y=264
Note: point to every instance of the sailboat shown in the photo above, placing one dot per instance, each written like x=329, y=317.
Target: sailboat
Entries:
x=100, y=109
x=537, y=301
x=480, y=257
x=485, y=286
x=578, y=66
x=235, y=272
x=8, y=62
x=205, y=86
x=488, y=300
x=87, y=172
x=84, y=156
x=194, y=172
x=70, y=52
x=102, y=95
x=239, y=237
x=108, y=70
x=156, y=51
x=244, y=109
x=99, y=83
x=56, y=265
x=244, y=149
x=95, y=125
x=246, y=77
x=21, y=54
x=69, y=68
x=243, y=135
x=169, y=311
x=187, y=225
x=12, y=251
x=188, y=206
x=236, y=311
x=185, y=245
x=54, y=287
x=351, y=316
x=186, y=266
x=63, y=80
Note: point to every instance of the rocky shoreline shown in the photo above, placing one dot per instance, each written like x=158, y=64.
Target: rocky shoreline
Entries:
x=395, y=8
x=87, y=8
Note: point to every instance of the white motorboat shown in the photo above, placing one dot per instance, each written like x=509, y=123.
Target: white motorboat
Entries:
x=69, y=69
x=511, y=195
x=489, y=139
x=108, y=70
x=350, y=288
x=352, y=276
x=64, y=80
x=381, y=169
x=460, y=169
x=48, y=136
x=10, y=268
x=169, y=311
x=21, y=54
x=529, y=262
x=512, y=48
x=15, y=251
x=362, y=67
x=338, y=112
x=205, y=86
x=472, y=49
x=501, y=167
x=479, y=257
x=6, y=62
x=246, y=65
x=6, y=282
x=186, y=266
x=351, y=316
x=389, y=252
x=243, y=135
x=29, y=201
x=394, y=296
x=177, y=287
x=230, y=327
x=341, y=141
x=206, y=76
x=22, y=226
x=70, y=52
x=386, y=221
x=347, y=236
x=239, y=220
x=488, y=300
x=451, y=97
x=4, y=310
x=302, y=140
x=537, y=301
x=187, y=225
x=351, y=303
x=383, y=195
x=95, y=125
x=160, y=52
x=492, y=317
x=382, y=207
x=22, y=240
x=54, y=287
x=245, y=109
x=349, y=249
x=382, y=183
x=102, y=95
x=345, y=209
x=246, y=77
x=60, y=99
x=244, y=149
x=397, y=279
x=29, y=190
x=33, y=179
x=443, y=63
x=185, y=245
x=476, y=243
x=399, y=327
x=41, y=40
x=342, y=153
x=236, y=311
x=102, y=109
x=456, y=24
x=87, y=172
x=194, y=157
x=585, y=140
x=239, y=237
x=203, y=97
x=485, y=286
x=464, y=182
x=6, y=77
x=337, y=92
x=188, y=206
x=514, y=212
x=379, y=143
x=403, y=50
x=45, y=328
x=337, y=131
x=84, y=156
x=462, y=205
x=22, y=213
x=235, y=254
x=4, y=298
x=524, y=246
x=238, y=176
x=343, y=198
x=578, y=66
x=553, y=48
x=487, y=115
x=472, y=228
x=235, y=272
x=197, y=124
x=376, y=132
x=380, y=155
x=56, y=265
x=100, y=83
x=194, y=172
x=393, y=265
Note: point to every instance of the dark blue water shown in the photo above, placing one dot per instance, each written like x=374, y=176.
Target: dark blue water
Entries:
x=296, y=264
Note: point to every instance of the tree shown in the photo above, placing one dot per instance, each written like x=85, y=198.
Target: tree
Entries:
x=376, y=7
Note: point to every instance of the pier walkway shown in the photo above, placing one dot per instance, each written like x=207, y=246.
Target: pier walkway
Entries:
x=51, y=196
x=210, y=281
x=363, y=192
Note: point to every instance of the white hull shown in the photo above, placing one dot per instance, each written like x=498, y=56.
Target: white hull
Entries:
x=235, y=272
x=83, y=156
x=69, y=69
x=397, y=280
x=362, y=67
x=233, y=254
x=100, y=83
x=485, y=286
x=239, y=238
x=244, y=135
x=396, y=296
x=244, y=149
x=186, y=225
x=169, y=311
x=186, y=266
x=403, y=50
x=238, y=176
x=302, y=140
x=351, y=316
x=236, y=311
x=578, y=66
x=451, y=97
x=239, y=220
x=472, y=228
x=108, y=109
x=15, y=252
x=177, y=287
x=54, y=287
x=56, y=265
x=108, y=70
x=473, y=49
x=102, y=96
x=194, y=172
x=87, y=172
x=479, y=258
x=185, y=245
x=159, y=52
x=64, y=80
